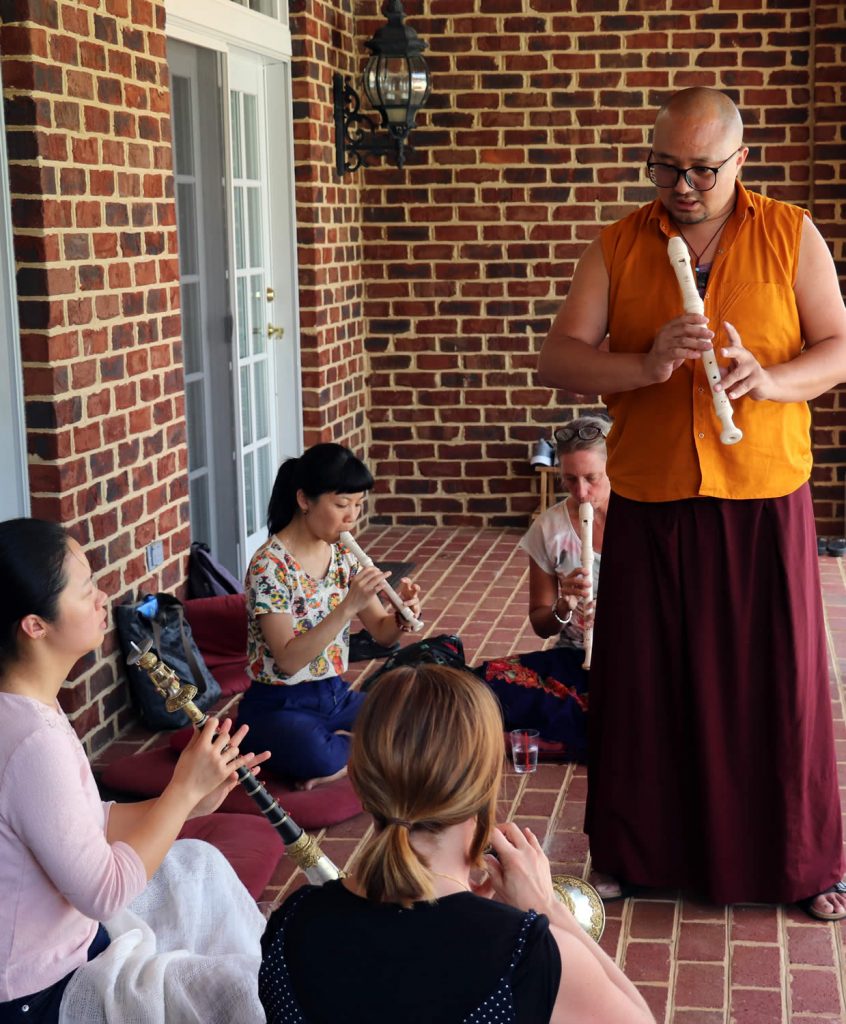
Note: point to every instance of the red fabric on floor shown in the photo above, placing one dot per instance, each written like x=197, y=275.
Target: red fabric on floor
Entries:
x=250, y=844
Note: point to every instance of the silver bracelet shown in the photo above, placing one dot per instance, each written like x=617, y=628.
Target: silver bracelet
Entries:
x=558, y=619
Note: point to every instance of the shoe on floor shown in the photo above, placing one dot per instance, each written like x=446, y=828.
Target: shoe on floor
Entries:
x=807, y=904
x=836, y=546
x=364, y=648
x=822, y=545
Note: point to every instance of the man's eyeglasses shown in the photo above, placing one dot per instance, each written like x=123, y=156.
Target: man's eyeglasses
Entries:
x=589, y=432
x=701, y=179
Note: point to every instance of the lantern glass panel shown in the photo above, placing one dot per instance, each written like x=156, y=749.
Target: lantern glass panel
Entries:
x=397, y=86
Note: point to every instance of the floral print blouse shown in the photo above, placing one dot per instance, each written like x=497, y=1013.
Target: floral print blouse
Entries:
x=275, y=583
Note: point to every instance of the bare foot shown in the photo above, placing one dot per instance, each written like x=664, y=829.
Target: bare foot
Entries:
x=307, y=784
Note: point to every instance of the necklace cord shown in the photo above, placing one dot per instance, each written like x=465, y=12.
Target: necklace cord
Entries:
x=457, y=881
x=696, y=255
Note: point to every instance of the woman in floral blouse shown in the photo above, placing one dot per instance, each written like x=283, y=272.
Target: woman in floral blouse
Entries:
x=303, y=590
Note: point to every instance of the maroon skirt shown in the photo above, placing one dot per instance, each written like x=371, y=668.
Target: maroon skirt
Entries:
x=711, y=764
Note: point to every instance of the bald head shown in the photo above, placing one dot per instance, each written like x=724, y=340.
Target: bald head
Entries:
x=700, y=106
x=698, y=128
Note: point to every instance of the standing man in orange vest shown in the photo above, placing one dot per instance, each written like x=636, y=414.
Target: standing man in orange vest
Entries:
x=712, y=763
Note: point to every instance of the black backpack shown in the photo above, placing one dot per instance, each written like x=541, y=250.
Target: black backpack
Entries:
x=160, y=618
x=206, y=576
x=446, y=649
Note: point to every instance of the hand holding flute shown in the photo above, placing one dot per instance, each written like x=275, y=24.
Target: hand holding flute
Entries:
x=402, y=608
x=179, y=696
x=680, y=260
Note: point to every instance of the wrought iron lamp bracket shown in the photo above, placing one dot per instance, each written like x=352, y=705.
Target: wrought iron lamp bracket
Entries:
x=358, y=135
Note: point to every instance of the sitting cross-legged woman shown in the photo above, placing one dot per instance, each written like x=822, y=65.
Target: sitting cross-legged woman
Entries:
x=548, y=689
x=68, y=861
x=408, y=936
x=303, y=590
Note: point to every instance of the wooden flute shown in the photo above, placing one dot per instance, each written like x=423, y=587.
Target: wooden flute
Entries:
x=179, y=696
x=680, y=260
x=349, y=542
x=586, y=536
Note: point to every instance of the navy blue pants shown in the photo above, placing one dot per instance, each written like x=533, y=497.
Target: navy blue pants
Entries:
x=543, y=690
x=43, y=1007
x=297, y=724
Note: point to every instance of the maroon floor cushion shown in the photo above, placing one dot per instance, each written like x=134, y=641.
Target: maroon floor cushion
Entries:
x=148, y=773
x=219, y=628
x=250, y=844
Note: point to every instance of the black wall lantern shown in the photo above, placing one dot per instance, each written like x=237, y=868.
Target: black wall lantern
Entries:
x=397, y=81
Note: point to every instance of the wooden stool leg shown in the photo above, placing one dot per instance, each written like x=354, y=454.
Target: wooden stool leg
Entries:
x=546, y=487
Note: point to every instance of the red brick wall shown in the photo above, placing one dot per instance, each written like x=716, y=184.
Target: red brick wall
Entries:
x=534, y=138
x=88, y=135
x=828, y=204
x=328, y=234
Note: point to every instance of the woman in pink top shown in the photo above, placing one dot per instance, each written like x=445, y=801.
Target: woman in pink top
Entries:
x=67, y=860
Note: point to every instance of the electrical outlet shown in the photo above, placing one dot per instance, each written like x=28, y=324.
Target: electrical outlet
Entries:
x=155, y=554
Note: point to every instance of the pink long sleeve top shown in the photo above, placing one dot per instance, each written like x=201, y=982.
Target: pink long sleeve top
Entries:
x=59, y=876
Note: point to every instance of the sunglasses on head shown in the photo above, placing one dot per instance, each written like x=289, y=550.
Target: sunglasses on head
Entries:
x=588, y=432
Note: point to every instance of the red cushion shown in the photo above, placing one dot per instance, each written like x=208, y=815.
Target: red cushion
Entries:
x=178, y=740
x=219, y=627
x=250, y=844
x=147, y=774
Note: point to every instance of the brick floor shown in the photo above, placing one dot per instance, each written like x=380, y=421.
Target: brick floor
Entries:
x=695, y=964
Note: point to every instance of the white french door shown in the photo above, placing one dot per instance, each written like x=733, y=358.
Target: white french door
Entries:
x=238, y=283
x=255, y=294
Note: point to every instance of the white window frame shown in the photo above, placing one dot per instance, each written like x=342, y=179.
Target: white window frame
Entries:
x=209, y=23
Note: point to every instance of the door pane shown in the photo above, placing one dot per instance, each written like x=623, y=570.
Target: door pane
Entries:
x=254, y=199
x=235, y=111
x=181, y=101
x=194, y=414
x=261, y=385
x=268, y=7
x=240, y=228
x=246, y=406
x=192, y=345
x=243, y=326
x=265, y=478
x=250, y=492
x=259, y=314
x=251, y=151
x=198, y=496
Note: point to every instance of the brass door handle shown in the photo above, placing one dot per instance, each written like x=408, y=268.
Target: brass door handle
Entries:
x=275, y=332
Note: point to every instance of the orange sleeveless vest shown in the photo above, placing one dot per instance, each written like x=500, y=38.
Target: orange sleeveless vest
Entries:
x=665, y=441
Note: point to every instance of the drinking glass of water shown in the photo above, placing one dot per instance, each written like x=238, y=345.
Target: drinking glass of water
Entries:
x=524, y=750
